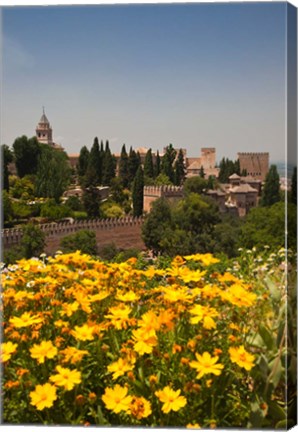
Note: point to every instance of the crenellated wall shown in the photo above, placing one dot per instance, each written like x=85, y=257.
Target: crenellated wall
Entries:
x=124, y=232
x=152, y=193
x=255, y=164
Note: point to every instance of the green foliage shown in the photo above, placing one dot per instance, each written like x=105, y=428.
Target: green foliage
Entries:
x=7, y=158
x=148, y=165
x=202, y=172
x=227, y=168
x=157, y=165
x=26, y=153
x=74, y=203
x=162, y=180
x=33, y=241
x=91, y=201
x=53, y=211
x=195, y=184
x=167, y=163
x=155, y=224
x=23, y=187
x=83, y=161
x=83, y=240
x=126, y=254
x=93, y=173
x=108, y=252
x=110, y=209
x=271, y=190
x=109, y=166
x=138, y=193
x=20, y=210
x=134, y=162
x=123, y=167
x=180, y=170
x=7, y=210
x=53, y=173
x=266, y=226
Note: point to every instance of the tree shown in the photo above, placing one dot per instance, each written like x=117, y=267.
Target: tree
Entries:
x=195, y=184
x=33, y=241
x=6, y=206
x=26, y=153
x=83, y=240
x=93, y=174
x=53, y=173
x=155, y=224
x=202, y=172
x=7, y=158
x=133, y=165
x=180, y=171
x=271, y=190
x=266, y=226
x=123, y=167
x=138, y=193
x=226, y=168
x=109, y=166
x=293, y=193
x=148, y=165
x=91, y=201
x=157, y=165
x=83, y=161
x=53, y=211
x=167, y=163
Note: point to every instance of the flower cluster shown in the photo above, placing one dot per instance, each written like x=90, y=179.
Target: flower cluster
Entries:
x=136, y=343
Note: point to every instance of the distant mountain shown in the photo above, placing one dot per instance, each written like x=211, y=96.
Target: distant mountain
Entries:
x=282, y=168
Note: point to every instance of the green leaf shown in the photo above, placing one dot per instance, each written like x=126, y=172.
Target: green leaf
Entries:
x=276, y=411
x=276, y=366
x=274, y=291
x=267, y=337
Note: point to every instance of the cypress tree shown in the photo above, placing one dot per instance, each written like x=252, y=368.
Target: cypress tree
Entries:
x=179, y=169
x=202, y=172
x=7, y=158
x=108, y=171
x=93, y=172
x=167, y=163
x=123, y=167
x=148, y=165
x=138, y=192
x=83, y=161
x=157, y=165
x=133, y=165
x=271, y=191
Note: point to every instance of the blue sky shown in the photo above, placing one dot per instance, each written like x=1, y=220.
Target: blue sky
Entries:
x=194, y=75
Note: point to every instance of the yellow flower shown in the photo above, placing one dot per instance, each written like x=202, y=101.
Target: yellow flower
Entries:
x=140, y=408
x=116, y=399
x=42, y=351
x=119, y=367
x=193, y=426
x=7, y=349
x=25, y=320
x=239, y=296
x=119, y=316
x=66, y=378
x=129, y=296
x=175, y=293
x=83, y=333
x=205, y=314
x=241, y=357
x=172, y=401
x=206, y=364
x=69, y=308
x=144, y=341
x=43, y=396
x=73, y=354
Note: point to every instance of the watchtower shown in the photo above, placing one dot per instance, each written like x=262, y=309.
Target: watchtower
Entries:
x=44, y=130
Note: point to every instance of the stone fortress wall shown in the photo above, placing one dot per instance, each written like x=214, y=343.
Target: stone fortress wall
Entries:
x=256, y=164
x=123, y=232
x=152, y=193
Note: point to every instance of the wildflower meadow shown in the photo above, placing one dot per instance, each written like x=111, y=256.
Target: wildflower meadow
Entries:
x=197, y=341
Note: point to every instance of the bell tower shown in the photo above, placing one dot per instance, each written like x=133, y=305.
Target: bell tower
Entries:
x=44, y=130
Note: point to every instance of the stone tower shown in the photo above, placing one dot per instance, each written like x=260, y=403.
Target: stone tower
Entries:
x=255, y=164
x=44, y=130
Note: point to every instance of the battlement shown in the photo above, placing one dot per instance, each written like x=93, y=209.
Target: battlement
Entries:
x=251, y=154
x=164, y=190
x=13, y=236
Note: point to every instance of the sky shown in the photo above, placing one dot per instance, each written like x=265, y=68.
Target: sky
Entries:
x=194, y=75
